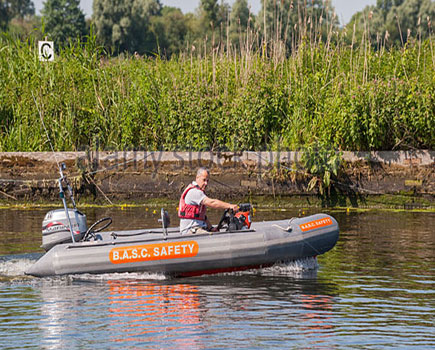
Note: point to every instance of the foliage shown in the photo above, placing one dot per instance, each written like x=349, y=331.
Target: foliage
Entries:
x=23, y=28
x=209, y=10
x=240, y=23
x=170, y=30
x=323, y=163
x=63, y=21
x=291, y=21
x=147, y=27
x=125, y=25
x=10, y=9
x=393, y=22
x=209, y=23
x=350, y=99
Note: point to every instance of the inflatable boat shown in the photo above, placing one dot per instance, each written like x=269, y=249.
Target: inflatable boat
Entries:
x=166, y=251
x=238, y=244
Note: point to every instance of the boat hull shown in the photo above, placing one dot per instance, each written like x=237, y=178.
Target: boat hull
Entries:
x=185, y=255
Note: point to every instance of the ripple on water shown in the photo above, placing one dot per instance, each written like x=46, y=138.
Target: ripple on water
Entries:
x=374, y=290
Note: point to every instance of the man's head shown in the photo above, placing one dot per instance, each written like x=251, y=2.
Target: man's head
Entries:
x=202, y=177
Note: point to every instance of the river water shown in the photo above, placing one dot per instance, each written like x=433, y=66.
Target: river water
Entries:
x=374, y=290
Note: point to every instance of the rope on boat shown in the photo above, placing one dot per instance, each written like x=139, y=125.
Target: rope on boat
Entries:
x=116, y=235
x=289, y=229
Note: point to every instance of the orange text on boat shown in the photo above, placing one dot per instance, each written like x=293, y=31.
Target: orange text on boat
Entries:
x=158, y=251
x=315, y=224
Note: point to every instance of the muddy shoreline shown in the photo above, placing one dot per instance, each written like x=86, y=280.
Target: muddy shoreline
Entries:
x=146, y=176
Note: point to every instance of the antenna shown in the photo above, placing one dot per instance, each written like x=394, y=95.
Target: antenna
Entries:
x=165, y=222
x=61, y=167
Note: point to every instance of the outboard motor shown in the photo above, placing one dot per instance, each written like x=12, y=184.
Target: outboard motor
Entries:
x=236, y=221
x=68, y=225
x=56, y=230
x=243, y=216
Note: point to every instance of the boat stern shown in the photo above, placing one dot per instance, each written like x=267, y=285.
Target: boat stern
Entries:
x=42, y=267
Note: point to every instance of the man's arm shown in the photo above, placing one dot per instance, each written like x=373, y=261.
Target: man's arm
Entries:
x=217, y=204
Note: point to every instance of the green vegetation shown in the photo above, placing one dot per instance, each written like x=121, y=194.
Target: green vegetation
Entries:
x=148, y=27
x=387, y=202
x=346, y=97
x=322, y=163
x=393, y=22
x=220, y=79
x=126, y=25
x=10, y=9
x=63, y=20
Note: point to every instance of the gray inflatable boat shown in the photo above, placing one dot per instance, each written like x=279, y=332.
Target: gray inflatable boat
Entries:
x=165, y=251
x=73, y=248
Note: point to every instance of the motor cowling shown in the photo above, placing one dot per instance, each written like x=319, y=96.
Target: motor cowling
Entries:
x=55, y=227
x=242, y=219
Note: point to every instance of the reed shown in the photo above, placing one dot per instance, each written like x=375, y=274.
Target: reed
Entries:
x=258, y=95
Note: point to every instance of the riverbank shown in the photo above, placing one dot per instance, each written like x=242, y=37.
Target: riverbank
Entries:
x=275, y=179
x=341, y=96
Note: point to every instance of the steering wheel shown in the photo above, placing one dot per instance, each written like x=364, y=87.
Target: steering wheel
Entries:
x=92, y=231
x=225, y=219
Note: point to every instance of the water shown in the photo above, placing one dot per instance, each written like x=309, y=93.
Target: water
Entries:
x=374, y=290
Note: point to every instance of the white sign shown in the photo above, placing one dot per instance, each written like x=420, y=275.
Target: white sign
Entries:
x=46, y=50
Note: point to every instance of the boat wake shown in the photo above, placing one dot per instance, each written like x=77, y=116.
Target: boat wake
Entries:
x=130, y=276
x=14, y=266
x=301, y=268
x=306, y=267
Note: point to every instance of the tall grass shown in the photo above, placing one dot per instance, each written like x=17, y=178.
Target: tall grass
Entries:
x=254, y=97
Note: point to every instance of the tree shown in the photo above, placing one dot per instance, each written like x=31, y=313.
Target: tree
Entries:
x=125, y=25
x=209, y=22
x=291, y=21
x=386, y=5
x=214, y=17
x=240, y=13
x=10, y=9
x=4, y=14
x=393, y=21
x=239, y=21
x=170, y=30
x=21, y=8
x=404, y=21
x=209, y=9
x=63, y=20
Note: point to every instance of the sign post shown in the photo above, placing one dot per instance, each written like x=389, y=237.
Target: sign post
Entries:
x=46, y=50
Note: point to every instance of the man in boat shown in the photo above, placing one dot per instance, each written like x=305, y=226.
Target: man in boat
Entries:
x=194, y=203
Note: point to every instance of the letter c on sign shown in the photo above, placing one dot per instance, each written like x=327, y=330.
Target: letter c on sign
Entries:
x=45, y=51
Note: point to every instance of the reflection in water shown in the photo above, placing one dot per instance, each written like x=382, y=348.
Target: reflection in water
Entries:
x=319, y=311
x=157, y=311
x=229, y=310
x=66, y=314
x=54, y=311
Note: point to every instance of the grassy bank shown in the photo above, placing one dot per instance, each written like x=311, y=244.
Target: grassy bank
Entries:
x=398, y=202
x=346, y=97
